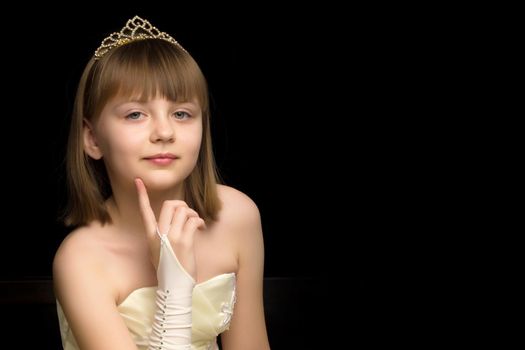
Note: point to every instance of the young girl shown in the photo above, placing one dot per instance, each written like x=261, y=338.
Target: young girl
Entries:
x=163, y=257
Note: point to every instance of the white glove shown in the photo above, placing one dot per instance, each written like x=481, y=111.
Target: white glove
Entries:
x=172, y=322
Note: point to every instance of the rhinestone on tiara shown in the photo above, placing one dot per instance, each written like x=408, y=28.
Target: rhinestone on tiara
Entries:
x=135, y=29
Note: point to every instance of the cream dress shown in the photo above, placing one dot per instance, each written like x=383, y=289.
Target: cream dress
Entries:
x=212, y=309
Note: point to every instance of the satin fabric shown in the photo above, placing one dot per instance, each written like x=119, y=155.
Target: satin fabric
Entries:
x=212, y=307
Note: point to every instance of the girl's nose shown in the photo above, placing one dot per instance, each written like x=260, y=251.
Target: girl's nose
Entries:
x=163, y=130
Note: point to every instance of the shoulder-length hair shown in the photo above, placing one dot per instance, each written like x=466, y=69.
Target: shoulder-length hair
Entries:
x=141, y=69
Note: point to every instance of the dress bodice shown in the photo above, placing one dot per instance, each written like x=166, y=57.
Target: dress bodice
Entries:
x=212, y=308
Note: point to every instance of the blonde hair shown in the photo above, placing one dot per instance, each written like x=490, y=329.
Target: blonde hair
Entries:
x=142, y=69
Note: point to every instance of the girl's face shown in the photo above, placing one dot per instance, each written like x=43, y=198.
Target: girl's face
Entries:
x=157, y=140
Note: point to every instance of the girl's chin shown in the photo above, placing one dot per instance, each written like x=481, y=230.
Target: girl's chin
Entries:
x=160, y=184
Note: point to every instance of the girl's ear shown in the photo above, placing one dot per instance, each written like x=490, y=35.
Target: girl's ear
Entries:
x=90, y=141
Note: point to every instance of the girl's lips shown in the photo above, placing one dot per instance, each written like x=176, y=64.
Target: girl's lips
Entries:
x=161, y=161
x=162, y=155
x=162, y=158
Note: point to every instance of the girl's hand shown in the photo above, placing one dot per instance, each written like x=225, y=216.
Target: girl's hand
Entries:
x=176, y=220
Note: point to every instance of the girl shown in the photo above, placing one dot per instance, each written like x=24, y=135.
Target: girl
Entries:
x=163, y=257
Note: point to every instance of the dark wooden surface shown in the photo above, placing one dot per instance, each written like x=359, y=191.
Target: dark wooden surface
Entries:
x=34, y=292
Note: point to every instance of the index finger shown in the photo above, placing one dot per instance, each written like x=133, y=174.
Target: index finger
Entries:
x=150, y=222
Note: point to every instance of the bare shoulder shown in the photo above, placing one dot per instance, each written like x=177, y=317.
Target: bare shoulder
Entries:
x=235, y=201
x=242, y=221
x=78, y=255
x=238, y=208
x=77, y=246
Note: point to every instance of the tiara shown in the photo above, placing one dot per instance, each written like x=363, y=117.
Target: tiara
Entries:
x=135, y=29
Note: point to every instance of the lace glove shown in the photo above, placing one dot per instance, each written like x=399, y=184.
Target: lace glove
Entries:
x=172, y=322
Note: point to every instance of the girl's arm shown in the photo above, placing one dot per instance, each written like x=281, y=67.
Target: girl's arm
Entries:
x=248, y=329
x=82, y=288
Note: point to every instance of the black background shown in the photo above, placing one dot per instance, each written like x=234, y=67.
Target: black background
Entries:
x=282, y=115
x=302, y=120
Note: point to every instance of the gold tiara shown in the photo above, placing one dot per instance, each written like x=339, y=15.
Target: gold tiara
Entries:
x=135, y=29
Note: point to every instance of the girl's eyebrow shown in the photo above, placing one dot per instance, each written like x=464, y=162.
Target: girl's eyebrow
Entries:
x=187, y=104
x=123, y=103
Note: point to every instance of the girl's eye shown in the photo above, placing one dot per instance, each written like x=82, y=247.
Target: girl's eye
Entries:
x=134, y=115
x=181, y=115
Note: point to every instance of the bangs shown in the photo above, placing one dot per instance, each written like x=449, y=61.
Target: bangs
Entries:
x=146, y=69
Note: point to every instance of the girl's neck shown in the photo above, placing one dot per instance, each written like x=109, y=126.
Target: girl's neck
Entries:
x=123, y=206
